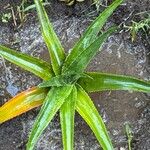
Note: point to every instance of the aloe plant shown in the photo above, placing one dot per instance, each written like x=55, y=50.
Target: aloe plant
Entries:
x=65, y=83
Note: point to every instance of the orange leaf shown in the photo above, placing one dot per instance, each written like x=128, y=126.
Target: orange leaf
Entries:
x=22, y=103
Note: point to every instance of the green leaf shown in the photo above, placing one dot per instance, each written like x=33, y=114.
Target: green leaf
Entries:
x=129, y=134
x=55, y=81
x=103, y=82
x=54, y=100
x=54, y=46
x=32, y=64
x=87, y=110
x=22, y=103
x=91, y=33
x=62, y=80
x=81, y=60
x=67, y=112
x=30, y=7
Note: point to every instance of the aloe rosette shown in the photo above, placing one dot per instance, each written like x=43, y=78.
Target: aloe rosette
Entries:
x=65, y=83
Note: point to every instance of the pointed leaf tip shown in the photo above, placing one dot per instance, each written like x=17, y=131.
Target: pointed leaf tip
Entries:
x=22, y=103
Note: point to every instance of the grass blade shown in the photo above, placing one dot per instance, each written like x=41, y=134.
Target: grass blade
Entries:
x=67, y=112
x=30, y=7
x=91, y=33
x=81, y=61
x=87, y=110
x=32, y=64
x=104, y=81
x=54, y=100
x=54, y=46
x=129, y=134
x=22, y=103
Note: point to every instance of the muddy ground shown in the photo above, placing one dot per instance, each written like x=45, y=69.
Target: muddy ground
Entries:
x=119, y=55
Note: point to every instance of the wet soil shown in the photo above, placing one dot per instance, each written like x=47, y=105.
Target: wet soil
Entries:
x=118, y=55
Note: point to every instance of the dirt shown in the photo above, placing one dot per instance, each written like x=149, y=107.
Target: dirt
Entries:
x=118, y=55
